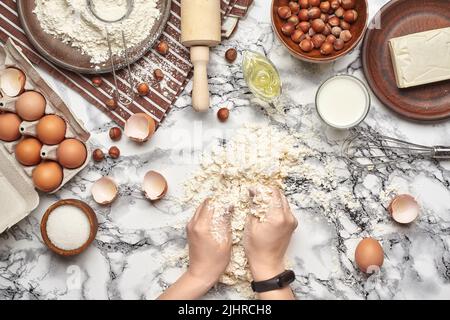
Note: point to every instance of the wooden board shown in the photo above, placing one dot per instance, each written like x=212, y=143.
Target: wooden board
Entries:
x=72, y=59
x=398, y=18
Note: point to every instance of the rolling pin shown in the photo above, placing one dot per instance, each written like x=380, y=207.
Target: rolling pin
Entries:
x=201, y=28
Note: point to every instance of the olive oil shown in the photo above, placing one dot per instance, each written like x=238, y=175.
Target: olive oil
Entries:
x=261, y=76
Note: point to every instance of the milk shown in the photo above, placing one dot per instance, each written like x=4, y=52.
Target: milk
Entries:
x=343, y=102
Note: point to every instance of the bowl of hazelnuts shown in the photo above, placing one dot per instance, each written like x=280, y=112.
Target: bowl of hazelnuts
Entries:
x=319, y=31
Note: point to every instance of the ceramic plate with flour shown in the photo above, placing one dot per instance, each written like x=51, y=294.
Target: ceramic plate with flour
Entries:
x=58, y=41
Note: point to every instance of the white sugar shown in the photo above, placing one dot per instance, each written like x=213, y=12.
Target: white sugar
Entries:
x=68, y=227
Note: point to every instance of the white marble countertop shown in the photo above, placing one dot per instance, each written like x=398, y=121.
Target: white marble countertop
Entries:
x=138, y=242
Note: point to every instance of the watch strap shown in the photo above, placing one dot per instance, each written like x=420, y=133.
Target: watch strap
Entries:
x=280, y=281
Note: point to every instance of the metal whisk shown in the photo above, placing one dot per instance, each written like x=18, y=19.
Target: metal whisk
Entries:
x=130, y=92
x=370, y=152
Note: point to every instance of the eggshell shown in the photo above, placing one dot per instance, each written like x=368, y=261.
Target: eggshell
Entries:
x=51, y=129
x=48, y=176
x=71, y=153
x=369, y=255
x=155, y=186
x=140, y=127
x=12, y=81
x=105, y=191
x=31, y=106
x=404, y=209
x=9, y=127
x=28, y=152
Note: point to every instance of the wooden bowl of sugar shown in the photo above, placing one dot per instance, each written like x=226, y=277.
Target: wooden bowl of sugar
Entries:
x=68, y=227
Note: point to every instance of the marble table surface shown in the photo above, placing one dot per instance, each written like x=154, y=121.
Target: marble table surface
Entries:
x=135, y=253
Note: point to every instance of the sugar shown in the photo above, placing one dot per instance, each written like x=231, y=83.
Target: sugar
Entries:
x=68, y=227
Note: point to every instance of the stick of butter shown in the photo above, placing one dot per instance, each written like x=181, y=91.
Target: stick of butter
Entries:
x=421, y=58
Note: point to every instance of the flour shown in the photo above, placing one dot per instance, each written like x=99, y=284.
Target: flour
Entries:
x=257, y=157
x=72, y=22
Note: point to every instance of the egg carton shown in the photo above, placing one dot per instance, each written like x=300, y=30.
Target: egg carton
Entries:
x=14, y=177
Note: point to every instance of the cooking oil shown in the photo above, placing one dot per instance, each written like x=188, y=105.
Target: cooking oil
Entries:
x=261, y=76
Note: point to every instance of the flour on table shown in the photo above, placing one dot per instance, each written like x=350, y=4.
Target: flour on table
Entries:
x=72, y=22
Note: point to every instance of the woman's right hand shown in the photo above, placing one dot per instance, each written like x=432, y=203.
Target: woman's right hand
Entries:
x=266, y=241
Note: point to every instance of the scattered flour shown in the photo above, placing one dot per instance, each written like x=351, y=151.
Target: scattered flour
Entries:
x=72, y=22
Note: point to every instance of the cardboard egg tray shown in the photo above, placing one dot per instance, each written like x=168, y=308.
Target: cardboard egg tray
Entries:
x=20, y=197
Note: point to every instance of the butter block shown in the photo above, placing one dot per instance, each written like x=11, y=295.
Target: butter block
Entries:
x=421, y=58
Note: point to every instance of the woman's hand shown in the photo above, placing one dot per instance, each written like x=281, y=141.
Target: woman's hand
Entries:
x=209, y=238
x=266, y=241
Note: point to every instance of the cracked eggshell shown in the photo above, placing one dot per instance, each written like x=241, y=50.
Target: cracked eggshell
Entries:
x=155, y=186
x=12, y=81
x=404, y=209
x=140, y=127
x=105, y=191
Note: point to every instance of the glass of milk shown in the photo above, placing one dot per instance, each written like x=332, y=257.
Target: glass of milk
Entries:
x=343, y=101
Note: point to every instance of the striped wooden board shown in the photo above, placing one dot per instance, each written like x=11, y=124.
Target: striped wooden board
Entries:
x=176, y=65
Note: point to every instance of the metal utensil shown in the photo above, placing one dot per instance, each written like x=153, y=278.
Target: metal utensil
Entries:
x=130, y=91
x=370, y=152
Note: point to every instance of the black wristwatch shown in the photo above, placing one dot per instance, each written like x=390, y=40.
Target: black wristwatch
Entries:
x=280, y=281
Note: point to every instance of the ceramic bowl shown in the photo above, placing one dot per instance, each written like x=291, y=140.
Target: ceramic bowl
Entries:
x=357, y=29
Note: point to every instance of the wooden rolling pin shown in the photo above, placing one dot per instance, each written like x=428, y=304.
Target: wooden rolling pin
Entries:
x=200, y=29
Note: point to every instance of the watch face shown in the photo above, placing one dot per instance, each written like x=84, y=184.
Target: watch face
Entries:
x=286, y=278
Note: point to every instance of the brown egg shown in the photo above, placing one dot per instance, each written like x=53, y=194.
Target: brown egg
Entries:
x=31, y=106
x=48, y=176
x=71, y=153
x=9, y=127
x=369, y=255
x=28, y=152
x=51, y=129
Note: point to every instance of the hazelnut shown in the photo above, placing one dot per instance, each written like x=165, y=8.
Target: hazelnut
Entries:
x=339, y=12
x=350, y=16
x=303, y=15
x=318, y=40
x=348, y=4
x=334, y=21
x=294, y=19
x=324, y=17
x=223, y=114
x=345, y=35
x=334, y=4
x=283, y=2
x=314, y=3
x=336, y=31
x=325, y=6
x=311, y=32
x=326, y=31
x=298, y=36
x=114, y=152
x=304, y=26
x=344, y=25
x=97, y=81
x=314, y=13
x=115, y=134
x=331, y=39
x=338, y=44
x=294, y=6
x=111, y=104
x=143, y=89
x=326, y=49
x=231, y=55
x=158, y=75
x=284, y=12
x=304, y=4
x=98, y=155
x=318, y=25
x=306, y=45
x=288, y=28
x=162, y=48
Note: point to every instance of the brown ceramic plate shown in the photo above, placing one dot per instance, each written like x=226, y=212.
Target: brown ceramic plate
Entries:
x=399, y=18
x=70, y=58
x=92, y=222
x=357, y=29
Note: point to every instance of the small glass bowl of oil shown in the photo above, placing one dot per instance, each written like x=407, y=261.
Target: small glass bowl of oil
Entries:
x=261, y=76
